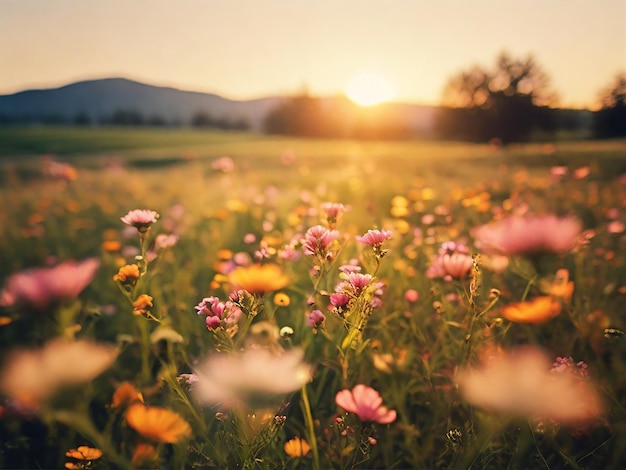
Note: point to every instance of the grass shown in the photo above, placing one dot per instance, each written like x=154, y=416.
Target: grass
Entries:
x=409, y=348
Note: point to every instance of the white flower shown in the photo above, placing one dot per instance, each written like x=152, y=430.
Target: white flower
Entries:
x=254, y=377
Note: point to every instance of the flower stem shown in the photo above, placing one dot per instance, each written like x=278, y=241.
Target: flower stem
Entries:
x=311, y=428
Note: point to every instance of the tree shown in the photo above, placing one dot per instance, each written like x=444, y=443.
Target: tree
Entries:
x=507, y=102
x=610, y=120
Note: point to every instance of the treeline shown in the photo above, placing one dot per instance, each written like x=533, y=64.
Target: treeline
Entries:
x=509, y=102
x=131, y=118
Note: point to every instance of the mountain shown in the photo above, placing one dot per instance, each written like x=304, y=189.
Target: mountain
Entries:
x=98, y=100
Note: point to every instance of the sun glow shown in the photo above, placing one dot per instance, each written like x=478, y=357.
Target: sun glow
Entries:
x=369, y=89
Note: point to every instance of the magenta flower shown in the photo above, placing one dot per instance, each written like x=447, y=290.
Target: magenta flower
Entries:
x=40, y=288
x=374, y=237
x=315, y=319
x=141, y=219
x=528, y=235
x=366, y=403
x=317, y=240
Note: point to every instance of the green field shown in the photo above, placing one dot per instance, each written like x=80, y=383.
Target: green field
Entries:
x=237, y=199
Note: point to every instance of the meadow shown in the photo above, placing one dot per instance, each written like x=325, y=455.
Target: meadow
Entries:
x=293, y=303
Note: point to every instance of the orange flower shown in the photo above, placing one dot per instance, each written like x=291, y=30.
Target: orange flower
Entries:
x=144, y=456
x=125, y=395
x=297, y=447
x=282, y=300
x=140, y=306
x=111, y=246
x=258, y=279
x=158, y=424
x=562, y=287
x=84, y=453
x=538, y=310
x=127, y=274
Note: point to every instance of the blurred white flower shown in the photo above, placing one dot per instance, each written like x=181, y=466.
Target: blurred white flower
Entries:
x=254, y=377
x=521, y=383
x=32, y=376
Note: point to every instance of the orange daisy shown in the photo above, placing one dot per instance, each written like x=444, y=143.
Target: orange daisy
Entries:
x=258, y=278
x=537, y=310
x=158, y=424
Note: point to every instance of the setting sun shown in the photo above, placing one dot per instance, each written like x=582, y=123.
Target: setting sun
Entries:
x=368, y=89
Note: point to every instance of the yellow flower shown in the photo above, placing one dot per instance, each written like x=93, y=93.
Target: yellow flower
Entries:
x=258, y=279
x=282, y=300
x=158, y=424
x=538, y=310
x=127, y=274
x=297, y=447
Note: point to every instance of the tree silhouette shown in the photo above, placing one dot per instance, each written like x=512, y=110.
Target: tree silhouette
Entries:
x=507, y=102
x=610, y=120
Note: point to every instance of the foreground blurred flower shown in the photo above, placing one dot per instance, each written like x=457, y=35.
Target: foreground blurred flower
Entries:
x=141, y=219
x=297, y=447
x=258, y=278
x=32, y=376
x=158, y=424
x=40, y=288
x=145, y=455
x=253, y=377
x=521, y=383
x=366, y=403
x=528, y=235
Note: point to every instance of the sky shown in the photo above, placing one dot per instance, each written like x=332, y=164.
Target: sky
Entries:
x=244, y=49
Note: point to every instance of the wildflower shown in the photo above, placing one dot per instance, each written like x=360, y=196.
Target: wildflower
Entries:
x=32, y=376
x=258, y=278
x=145, y=455
x=128, y=274
x=158, y=424
x=411, y=295
x=286, y=331
x=84, y=455
x=218, y=311
x=333, y=212
x=562, y=287
x=567, y=365
x=40, y=288
x=374, y=237
x=528, y=235
x=452, y=262
x=189, y=379
x=282, y=300
x=297, y=447
x=140, y=306
x=111, y=246
x=125, y=394
x=366, y=403
x=537, y=310
x=141, y=219
x=317, y=240
x=163, y=241
x=223, y=164
x=315, y=319
x=520, y=382
x=251, y=377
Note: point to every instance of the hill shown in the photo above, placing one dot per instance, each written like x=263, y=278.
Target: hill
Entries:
x=96, y=101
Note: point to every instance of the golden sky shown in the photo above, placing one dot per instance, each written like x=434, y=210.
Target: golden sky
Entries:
x=245, y=49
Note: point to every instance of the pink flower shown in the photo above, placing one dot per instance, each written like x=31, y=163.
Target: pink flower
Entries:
x=42, y=287
x=315, y=319
x=528, y=235
x=411, y=295
x=374, y=237
x=452, y=262
x=366, y=403
x=334, y=209
x=141, y=219
x=524, y=383
x=317, y=240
